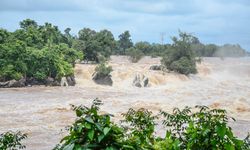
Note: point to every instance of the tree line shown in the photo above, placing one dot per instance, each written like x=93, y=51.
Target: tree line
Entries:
x=38, y=52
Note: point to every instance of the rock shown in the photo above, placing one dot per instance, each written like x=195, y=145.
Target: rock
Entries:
x=19, y=83
x=64, y=82
x=32, y=81
x=103, y=80
x=155, y=67
x=145, y=81
x=13, y=83
x=71, y=80
x=49, y=81
x=140, y=80
x=4, y=84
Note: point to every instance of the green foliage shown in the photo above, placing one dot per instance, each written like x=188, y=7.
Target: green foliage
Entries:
x=12, y=65
x=103, y=70
x=124, y=43
x=145, y=47
x=183, y=66
x=4, y=35
x=134, y=54
x=92, y=130
x=198, y=128
x=12, y=141
x=36, y=52
x=140, y=128
x=180, y=57
x=95, y=44
x=204, y=129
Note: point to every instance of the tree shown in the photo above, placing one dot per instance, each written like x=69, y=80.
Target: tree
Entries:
x=27, y=23
x=180, y=58
x=96, y=44
x=124, y=42
x=145, y=47
x=4, y=34
x=50, y=33
x=36, y=52
x=134, y=54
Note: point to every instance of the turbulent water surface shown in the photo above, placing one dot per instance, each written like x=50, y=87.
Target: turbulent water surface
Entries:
x=44, y=112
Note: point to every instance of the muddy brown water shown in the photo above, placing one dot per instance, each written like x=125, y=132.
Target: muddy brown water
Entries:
x=44, y=112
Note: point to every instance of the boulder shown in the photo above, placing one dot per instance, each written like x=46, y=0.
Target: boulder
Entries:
x=140, y=80
x=155, y=67
x=64, y=82
x=32, y=81
x=103, y=80
x=4, y=84
x=49, y=81
x=19, y=83
x=13, y=83
x=71, y=80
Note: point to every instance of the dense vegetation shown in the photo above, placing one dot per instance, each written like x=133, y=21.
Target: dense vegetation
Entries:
x=134, y=54
x=36, y=53
x=180, y=57
x=198, y=128
x=12, y=141
x=186, y=129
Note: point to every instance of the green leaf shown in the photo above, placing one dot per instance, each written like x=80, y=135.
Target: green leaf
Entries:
x=106, y=130
x=69, y=147
x=109, y=148
x=78, y=113
x=90, y=120
x=87, y=125
x=229, y=146
x=221, y=130
x=100, y=137
x=91, y=134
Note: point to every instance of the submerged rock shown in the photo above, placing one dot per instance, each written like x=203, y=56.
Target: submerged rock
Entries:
x=140, y=80
x=103, y=80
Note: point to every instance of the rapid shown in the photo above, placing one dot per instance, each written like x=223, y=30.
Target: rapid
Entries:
x=44, y=112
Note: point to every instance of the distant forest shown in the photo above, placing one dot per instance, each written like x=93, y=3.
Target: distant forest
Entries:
x=36, y=52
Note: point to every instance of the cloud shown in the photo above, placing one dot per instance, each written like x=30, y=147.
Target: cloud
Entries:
x=213, y=21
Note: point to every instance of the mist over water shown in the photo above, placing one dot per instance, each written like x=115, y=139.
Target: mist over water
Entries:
x=44, y=112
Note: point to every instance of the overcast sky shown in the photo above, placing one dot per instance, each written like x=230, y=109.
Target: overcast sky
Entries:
x=212, y=21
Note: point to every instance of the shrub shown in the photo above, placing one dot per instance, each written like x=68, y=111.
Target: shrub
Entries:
x=140, y=128
x=103, y=70
x=11, y=140
x=180, y=57
x=200, y=128
x=183, y=66
x=204, y=129
x=92, y=130
x=134, y=54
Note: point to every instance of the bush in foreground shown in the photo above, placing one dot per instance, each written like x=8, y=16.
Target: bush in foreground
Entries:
x=198, y=128
x=11, y=140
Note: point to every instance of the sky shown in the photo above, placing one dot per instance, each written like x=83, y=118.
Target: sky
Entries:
x=212, y=21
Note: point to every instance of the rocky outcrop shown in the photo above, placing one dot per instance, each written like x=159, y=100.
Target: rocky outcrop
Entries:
x=65, y=81
x=13, y=83
x=155, y=67
x=71, y=80
x=140, y=80
x=101, y=79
